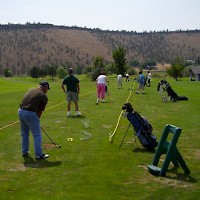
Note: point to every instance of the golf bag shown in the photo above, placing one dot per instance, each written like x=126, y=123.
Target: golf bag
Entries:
x=143, y=129
x=163, y=86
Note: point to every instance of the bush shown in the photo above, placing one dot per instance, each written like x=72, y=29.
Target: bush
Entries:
x=8, y=73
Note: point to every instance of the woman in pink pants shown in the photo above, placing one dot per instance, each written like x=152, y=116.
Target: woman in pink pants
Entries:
x=101, y=83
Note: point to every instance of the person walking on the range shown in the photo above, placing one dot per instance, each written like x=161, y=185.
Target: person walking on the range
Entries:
x=141, y=82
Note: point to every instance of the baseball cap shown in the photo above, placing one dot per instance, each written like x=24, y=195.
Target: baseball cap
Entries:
x=44, y=83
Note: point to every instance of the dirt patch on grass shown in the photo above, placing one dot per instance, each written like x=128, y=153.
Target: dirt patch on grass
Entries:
x=49, y=146
x=107, y=126
x=18, y=167
x=194, y=154
x=173, y=178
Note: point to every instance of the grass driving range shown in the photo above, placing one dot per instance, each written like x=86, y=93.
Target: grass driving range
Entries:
x=88, y=167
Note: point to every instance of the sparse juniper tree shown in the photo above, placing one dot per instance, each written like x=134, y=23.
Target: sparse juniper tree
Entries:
x=198, y=60
x=35, y=72
x=7, y=72
x=177, y=68
x=79, y=69
x=43, y=72
x=119, y=56
x=61, y=72
x=52, y=71
x=99, y=66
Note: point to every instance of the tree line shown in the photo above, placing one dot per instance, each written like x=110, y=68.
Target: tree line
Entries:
x=118, y=66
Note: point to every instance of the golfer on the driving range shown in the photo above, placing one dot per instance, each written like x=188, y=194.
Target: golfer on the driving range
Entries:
x=72, y=91
x=30, y=111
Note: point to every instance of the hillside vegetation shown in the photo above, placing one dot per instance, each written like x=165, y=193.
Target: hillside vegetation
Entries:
x=25, y=46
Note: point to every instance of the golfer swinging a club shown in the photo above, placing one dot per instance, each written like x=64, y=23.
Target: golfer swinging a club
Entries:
x=30, y=111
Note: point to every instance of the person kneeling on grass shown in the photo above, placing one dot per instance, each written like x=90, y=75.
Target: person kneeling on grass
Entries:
x=30, y=111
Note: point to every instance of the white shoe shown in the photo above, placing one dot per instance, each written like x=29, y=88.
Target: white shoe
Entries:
x=68, y=114
x=103, y=101
x=78, y=113
x=97, y=102
x=43, y=156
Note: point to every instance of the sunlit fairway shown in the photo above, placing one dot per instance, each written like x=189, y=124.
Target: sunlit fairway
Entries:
x=88, y=166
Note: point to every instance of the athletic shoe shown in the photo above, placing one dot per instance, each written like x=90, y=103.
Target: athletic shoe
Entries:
x=78, y=113
x=97, y=102
x=103, y=101
x=43, y=156
x=25, y=154
x=136, y=92
x=68, y=114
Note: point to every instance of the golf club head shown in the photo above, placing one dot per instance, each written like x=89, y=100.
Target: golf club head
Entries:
x=111, y=139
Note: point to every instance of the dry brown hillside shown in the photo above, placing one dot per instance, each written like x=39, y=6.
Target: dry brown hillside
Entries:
x=23, y=47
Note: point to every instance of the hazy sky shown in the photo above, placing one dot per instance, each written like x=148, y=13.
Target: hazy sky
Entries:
x=129, y=15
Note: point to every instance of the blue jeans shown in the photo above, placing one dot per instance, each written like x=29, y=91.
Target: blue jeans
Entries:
x=29, y=121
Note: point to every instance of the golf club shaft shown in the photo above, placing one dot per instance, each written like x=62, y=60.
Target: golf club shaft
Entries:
x=48, y=137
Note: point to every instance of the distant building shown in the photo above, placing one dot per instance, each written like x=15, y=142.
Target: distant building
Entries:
x=195, y=72
x=190, y=62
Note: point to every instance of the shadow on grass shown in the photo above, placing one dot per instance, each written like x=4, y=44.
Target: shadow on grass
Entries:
x=137, y=149
x=173, y=174
x=32, y=163
x=106, y=102
x=77, y=116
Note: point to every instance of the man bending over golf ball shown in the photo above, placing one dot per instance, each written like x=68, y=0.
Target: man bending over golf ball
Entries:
x=30, y=111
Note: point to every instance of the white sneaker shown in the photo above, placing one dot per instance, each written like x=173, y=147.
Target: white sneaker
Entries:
x=43, y=156
x=78, y=113
x=97, y=102
x=103, y=101
x=68, y=114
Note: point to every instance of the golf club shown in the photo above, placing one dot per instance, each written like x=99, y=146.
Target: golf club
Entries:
x=57, y=146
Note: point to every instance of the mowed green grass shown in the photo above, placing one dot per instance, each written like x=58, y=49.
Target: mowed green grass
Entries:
x=93, y=168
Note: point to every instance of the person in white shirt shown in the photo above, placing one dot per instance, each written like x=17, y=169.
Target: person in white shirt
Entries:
x=127, y=77
x=119, y=81
x=149, y=78
x=101, y=83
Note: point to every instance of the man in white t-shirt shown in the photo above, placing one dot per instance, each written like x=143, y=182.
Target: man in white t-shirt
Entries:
x=119, y=81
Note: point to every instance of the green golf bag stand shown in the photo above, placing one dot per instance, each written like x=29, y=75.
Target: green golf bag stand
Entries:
x=171, y=151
